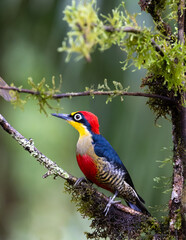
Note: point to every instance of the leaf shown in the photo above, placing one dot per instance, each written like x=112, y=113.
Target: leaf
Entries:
x=5, y=93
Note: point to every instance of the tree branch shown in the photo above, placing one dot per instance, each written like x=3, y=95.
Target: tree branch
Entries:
x=181, y=21
x=120, y=222
x=177, y=204
x=54, y=169
x=28, y=145
x=89, y=93
x=122, y=29
x=154, y=8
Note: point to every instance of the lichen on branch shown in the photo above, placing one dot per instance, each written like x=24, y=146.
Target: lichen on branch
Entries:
x=89, y=201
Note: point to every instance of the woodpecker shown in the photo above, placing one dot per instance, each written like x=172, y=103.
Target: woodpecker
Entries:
x=100, y=163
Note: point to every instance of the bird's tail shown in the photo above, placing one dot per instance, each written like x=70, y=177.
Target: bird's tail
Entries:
x=139, y=207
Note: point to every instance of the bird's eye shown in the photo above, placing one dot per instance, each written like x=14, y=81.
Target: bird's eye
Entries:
x=77, y=117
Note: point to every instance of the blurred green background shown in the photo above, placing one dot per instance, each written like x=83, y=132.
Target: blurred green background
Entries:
x=32, y=208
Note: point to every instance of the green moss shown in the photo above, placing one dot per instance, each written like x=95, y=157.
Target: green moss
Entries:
x=86, y=29
x=178, y=223
x=117, y=224
x=41, y=92
x=165, y=65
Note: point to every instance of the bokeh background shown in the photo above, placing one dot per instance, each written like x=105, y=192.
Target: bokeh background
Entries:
x=32, y=208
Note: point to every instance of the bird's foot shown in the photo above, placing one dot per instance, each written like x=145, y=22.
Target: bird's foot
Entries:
x=111, y=202
x=81, y=179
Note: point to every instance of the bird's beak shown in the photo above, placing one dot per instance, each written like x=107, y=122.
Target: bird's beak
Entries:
x=66, y=117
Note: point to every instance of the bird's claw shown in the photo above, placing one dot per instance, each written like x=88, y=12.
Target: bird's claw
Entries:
x=81, y=179
x=111, y=202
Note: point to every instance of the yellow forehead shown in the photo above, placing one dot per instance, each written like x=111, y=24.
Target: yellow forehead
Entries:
x=73, y=113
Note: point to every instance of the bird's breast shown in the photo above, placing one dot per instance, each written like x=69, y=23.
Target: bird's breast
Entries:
x=90, y=164
x=87, y=166
x=86, y=157
x=84, y=145
x=97, y=169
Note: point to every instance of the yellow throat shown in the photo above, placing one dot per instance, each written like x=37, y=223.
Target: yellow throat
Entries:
x=80, y=128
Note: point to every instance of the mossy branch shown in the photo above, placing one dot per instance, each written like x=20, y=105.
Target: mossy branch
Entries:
x=155, y=9
x=89, y=201
x=177, y=203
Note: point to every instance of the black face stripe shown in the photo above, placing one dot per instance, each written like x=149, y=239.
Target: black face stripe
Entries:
x=82, y=120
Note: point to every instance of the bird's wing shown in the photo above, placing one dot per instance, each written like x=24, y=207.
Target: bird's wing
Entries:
x=103, y=149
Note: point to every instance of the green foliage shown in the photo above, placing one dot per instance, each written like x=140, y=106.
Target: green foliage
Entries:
x=117, y=224
x=104, y=86
x=17, y=101
x=178, y=223
x=165, y=70
x=106, y=90
x=170, y=66
x=161, y=57
x=163, y=183
x=139, y=49
x=87, y=29
x=41, y=92
x=172, y=6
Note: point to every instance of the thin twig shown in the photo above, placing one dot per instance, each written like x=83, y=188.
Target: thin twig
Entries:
x=89, y=93
x=122, y=29
x=111, y=29
x=53, y=168
x=157, y=47
x=135, y=31
x=112, y=93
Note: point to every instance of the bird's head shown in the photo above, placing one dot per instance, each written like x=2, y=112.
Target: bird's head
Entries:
x=83, y=121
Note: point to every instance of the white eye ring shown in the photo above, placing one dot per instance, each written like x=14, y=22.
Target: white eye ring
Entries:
x=77, y=117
